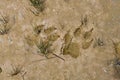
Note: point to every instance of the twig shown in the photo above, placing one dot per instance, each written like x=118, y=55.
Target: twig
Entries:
x=58, y=57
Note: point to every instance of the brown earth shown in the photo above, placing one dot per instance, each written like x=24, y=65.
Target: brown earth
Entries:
x=80, y=32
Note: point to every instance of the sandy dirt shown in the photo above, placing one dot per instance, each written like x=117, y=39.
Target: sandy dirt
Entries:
x=81, y=33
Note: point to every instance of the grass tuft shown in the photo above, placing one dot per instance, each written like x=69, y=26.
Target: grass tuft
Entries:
x=44, y=47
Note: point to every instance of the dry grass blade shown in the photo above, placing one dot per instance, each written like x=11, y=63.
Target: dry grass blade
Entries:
x=38, y=4
x=58, y=57
x=35, y=12
x=4, y=29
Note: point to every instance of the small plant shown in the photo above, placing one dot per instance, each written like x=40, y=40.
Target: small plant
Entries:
x=4, y=28
x=45, y=49
x=38, y=4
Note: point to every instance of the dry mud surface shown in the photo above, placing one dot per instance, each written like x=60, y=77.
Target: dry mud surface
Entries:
x=81, y=36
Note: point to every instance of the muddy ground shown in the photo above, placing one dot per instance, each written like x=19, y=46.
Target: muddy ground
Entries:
x=65, y=40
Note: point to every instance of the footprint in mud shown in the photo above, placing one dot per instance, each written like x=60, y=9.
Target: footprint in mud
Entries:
x=73, y=50
x=77, y=32
x=53, y=37
x=67, y=38
x=88, y=34
x=86, y=44
x=49, y=30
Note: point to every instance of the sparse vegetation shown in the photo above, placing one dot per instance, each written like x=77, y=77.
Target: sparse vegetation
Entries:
x=45, y=49
x=38, y=4
x=59, y=35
